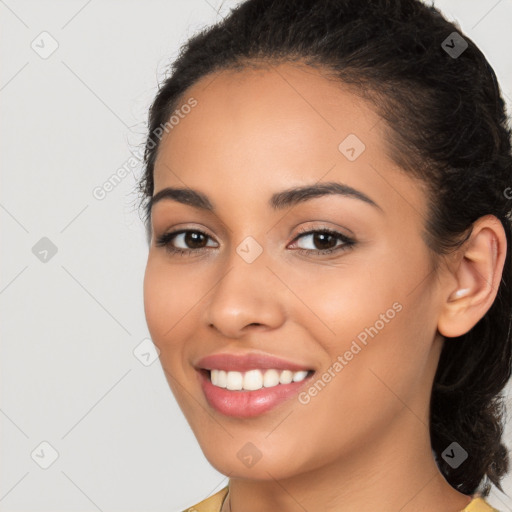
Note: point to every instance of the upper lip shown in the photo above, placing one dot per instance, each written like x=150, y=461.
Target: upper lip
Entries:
x=244, y=362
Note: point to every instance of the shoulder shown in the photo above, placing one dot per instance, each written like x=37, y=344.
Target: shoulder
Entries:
x=214, y=503
x=210, y=504
x=478, y=504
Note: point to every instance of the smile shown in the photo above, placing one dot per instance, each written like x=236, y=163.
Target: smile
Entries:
x=242, y=402
x=255, y=379
x=246, y=385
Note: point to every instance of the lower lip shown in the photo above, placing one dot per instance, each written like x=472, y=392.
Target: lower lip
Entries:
x=248, y=404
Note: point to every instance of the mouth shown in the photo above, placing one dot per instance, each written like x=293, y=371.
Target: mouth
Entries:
x=251, y=393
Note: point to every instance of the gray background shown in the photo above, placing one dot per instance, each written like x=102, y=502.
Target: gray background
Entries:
x=71, y=322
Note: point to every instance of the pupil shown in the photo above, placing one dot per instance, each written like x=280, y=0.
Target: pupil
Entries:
x=323, y=237
x=192, y=238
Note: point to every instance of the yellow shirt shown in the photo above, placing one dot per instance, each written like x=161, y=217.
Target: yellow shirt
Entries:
x=214, y=504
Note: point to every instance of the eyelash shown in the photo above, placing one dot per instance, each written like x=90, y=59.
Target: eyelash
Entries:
x=348, y=243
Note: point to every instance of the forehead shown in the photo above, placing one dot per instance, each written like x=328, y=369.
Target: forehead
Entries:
x=286, y=106
x=268, y=128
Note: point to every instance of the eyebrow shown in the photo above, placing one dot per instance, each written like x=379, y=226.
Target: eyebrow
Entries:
x=278, y=201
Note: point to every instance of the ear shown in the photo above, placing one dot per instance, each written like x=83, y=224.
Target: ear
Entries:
x=477, y=273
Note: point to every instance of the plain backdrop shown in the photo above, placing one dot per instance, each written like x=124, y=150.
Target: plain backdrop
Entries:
x=78, y=395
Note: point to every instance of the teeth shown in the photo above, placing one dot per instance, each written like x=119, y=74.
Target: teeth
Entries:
x=286, y=377
x=254, y=379
x=271, y=378
x=219, y=377
x=298, y=376
x=234, y=381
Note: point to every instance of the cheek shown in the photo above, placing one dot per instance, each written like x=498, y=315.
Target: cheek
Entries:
x=341, y=303
x=367, y=298
x=168, y=306
x=375, y=334
x=169, y=297
x=362, y=388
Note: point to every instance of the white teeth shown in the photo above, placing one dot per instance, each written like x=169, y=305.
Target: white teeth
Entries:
x=254, y=379
x=222, y=379
x=271, y=378
x=286, y=377
x=219, y=377
x=298, y=376
x=234, y=381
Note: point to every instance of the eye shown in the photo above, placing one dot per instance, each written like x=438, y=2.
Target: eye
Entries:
x=196, y=241
x=192, y=240
x=327, y=240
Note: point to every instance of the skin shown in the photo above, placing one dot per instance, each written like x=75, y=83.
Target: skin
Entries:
x=362, y=443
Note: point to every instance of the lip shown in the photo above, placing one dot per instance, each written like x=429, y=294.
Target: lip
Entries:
x=244, y=362
x=248, y=404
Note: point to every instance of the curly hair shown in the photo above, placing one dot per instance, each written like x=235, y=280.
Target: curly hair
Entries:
x=446, y=125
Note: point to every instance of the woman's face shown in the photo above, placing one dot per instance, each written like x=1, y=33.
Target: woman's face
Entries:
x=363, y=317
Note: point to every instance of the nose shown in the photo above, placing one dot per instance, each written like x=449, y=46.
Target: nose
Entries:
x=247, y=296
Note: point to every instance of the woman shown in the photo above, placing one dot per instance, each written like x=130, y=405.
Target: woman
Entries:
x=327, y=198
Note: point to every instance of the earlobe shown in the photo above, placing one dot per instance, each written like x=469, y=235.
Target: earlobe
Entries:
x=477, y=275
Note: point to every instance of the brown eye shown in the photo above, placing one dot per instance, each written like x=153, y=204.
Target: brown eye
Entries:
x=184, y=241
x=323, y=241
x=194, y=239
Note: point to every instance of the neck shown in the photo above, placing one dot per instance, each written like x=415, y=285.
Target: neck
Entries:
x=376, y=476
